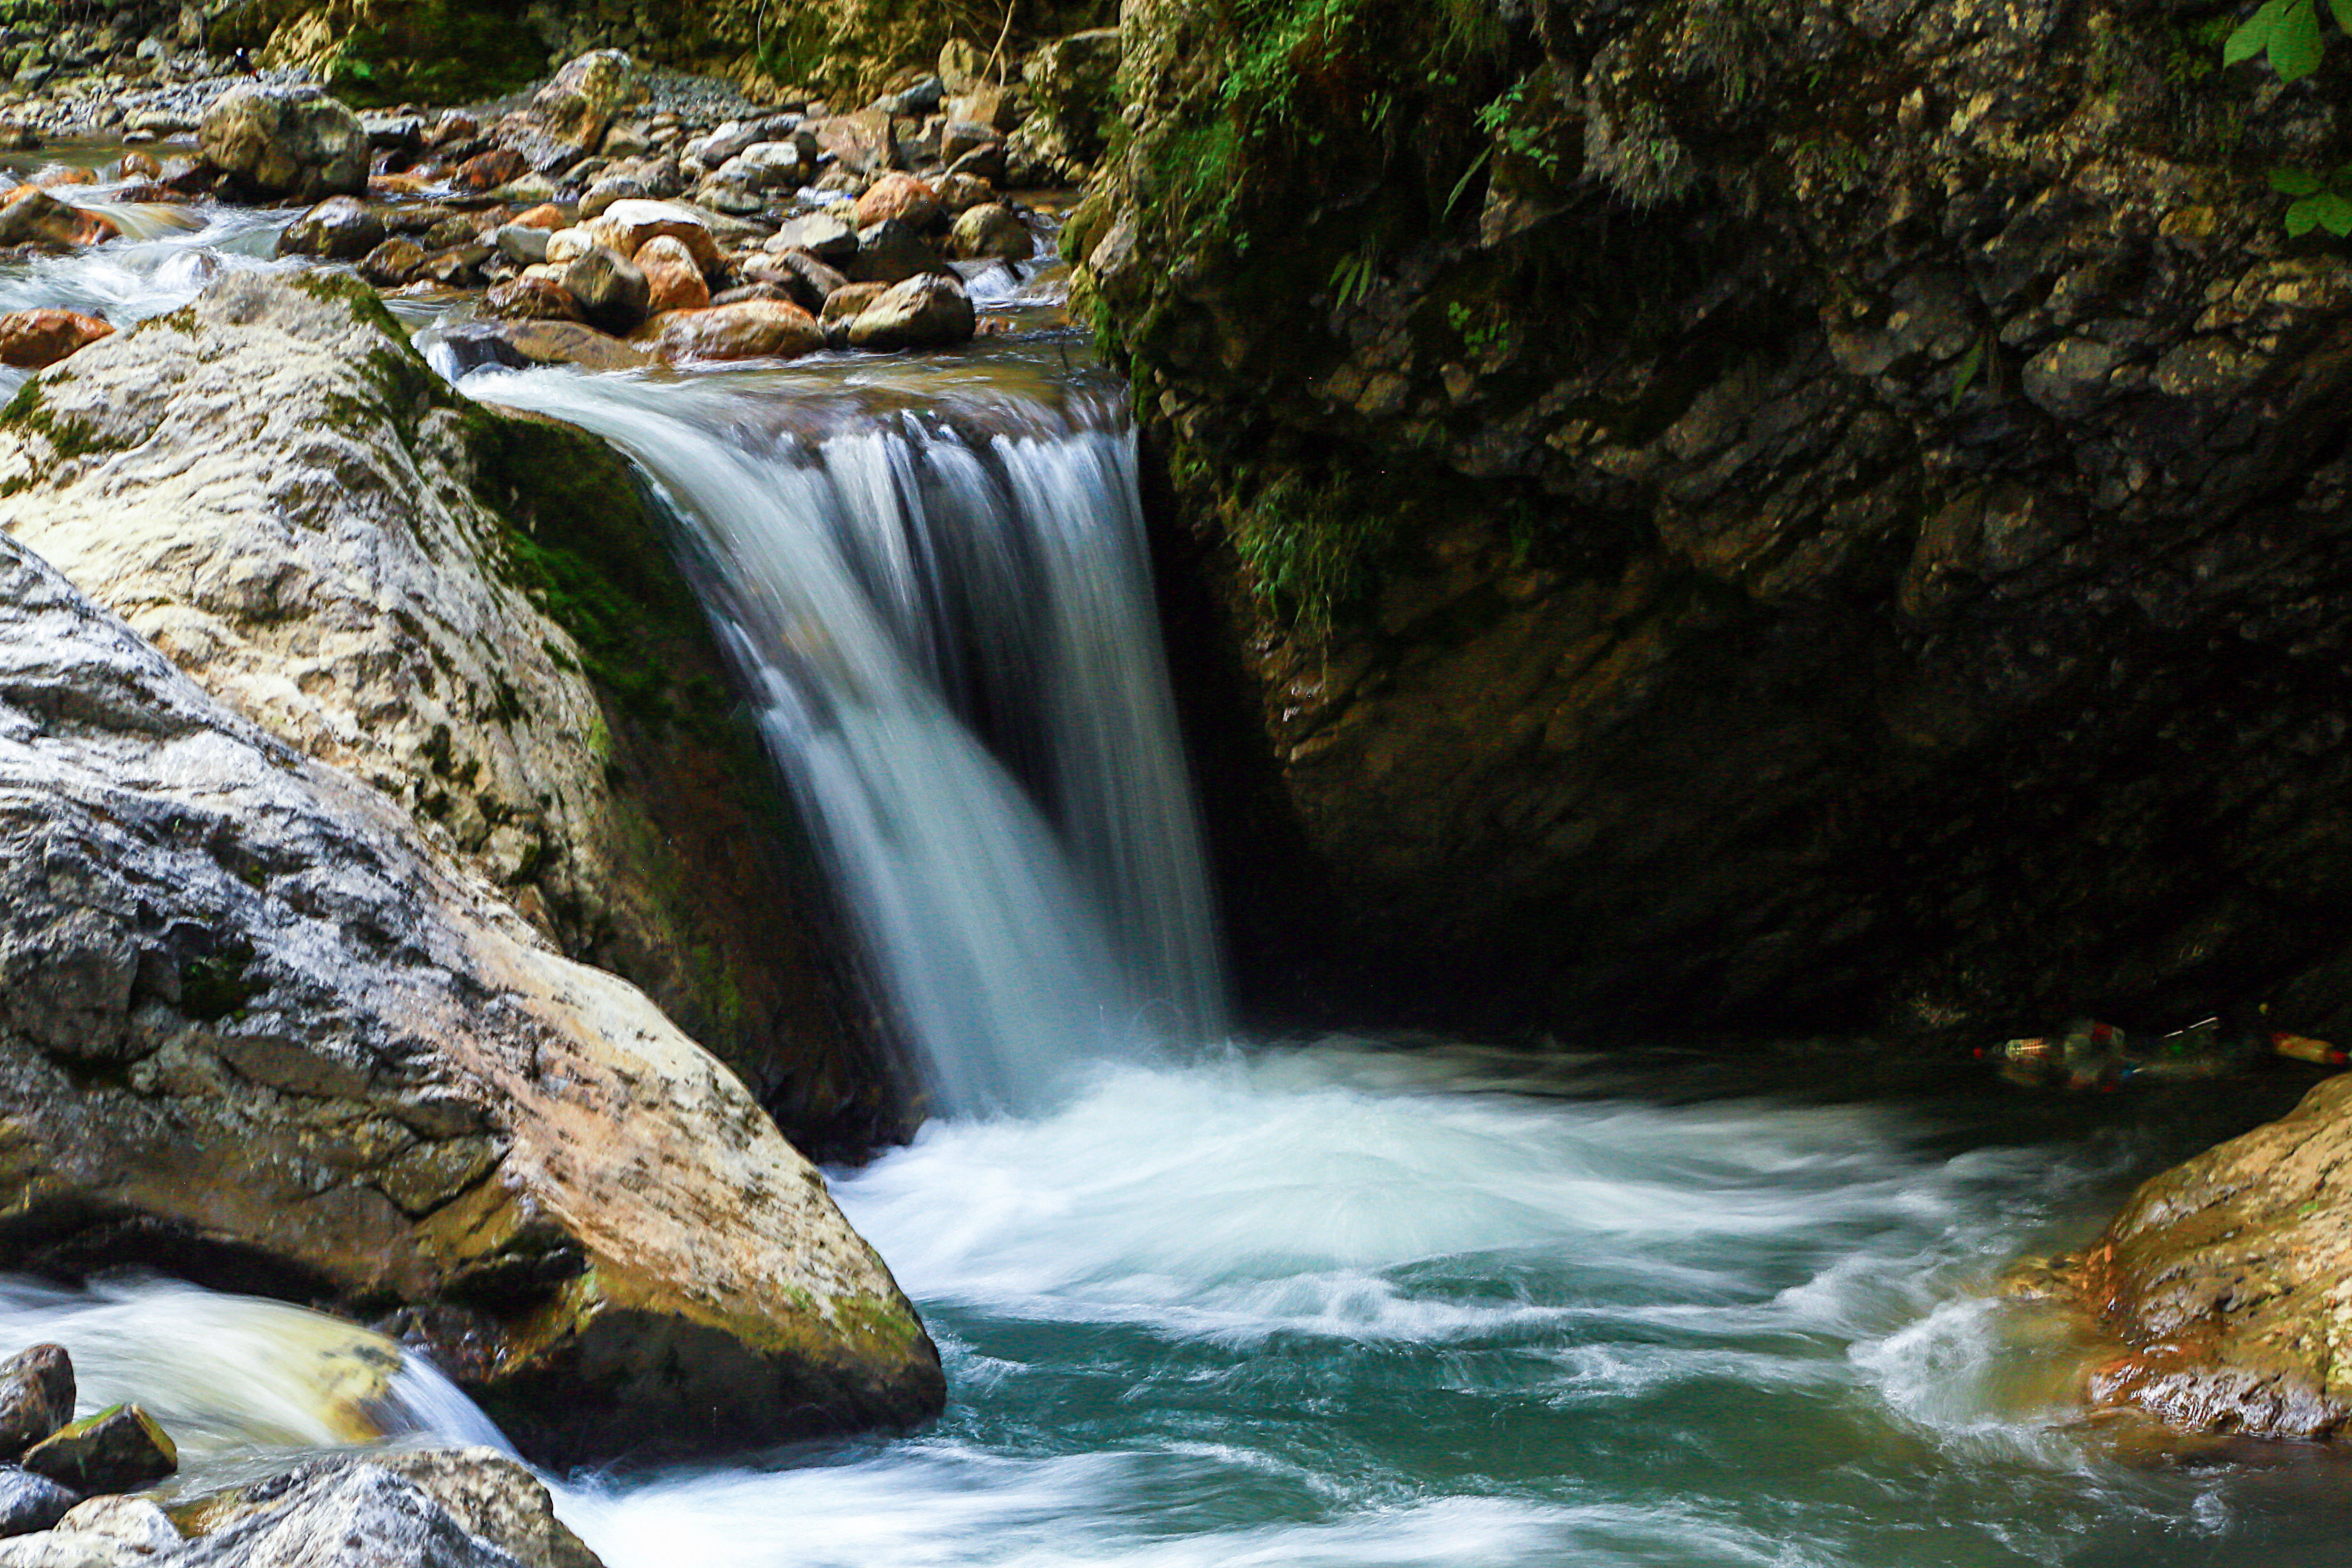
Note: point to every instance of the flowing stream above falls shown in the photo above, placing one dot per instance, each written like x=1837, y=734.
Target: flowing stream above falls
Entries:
x=1205, y=1304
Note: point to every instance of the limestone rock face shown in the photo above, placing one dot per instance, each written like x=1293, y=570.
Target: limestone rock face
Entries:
x=1690, y=551
x=2230, y=1277
x=245, y=1021
x=292, y=142
x=474, y=614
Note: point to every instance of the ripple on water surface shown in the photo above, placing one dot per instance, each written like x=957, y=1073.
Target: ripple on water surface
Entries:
x=1350, y=1306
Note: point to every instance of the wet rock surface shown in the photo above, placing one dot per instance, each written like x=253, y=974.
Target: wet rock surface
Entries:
x=2230, y=1279
x=1791, y=557
x=116, y=1450
x=36, y=1396
x=260, y=1026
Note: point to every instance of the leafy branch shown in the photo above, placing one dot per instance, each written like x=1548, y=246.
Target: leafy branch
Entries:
x=2288, y=34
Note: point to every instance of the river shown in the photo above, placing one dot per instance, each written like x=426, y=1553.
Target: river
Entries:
x=1205, y=1302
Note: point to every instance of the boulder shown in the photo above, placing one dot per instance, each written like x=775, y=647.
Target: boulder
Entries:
x=29, y=1502
x=485, y=170
x=286, y=142
x=119, y=1448
x=104, y=1533
x=822, y=234
x=767, y=166
x=35, y=339
x=300, y=1015
x=587, y=94
x=516, y=344
x=843, y=305
x=610, y=290
x=520, y=243
x=889, y=252
x=626, y=225
x=673, y=282
x=1071, y=83
x=991, y=231
x=2228, y=1279
x=29, y=216
x=37, y=1397
x=611, y=188
x=902, y=197
x=959, y=194
x=433, y=1506
x=803, y=277
x=862, y=143
x=530, y=299
x=394, y=262
x=754, y=328
x=929, y=311
x=341, y=229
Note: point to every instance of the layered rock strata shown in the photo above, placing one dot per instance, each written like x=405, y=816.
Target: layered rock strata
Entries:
x=1767, y=516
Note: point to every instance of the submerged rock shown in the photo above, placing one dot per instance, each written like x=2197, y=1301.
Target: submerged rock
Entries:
x=335, y=1063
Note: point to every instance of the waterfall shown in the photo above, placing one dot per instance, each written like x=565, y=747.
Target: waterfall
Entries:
x=943, y=614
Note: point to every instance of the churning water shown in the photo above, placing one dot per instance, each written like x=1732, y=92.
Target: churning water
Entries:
x=1334, y=1305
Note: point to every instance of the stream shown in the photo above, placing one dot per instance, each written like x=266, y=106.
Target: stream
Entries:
x=1209, y=1302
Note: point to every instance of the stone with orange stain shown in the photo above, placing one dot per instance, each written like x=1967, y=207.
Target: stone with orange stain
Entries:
x=35, y=339
x=673, y=282
x=2229, y=1281
x=900, y=196
x=751, y=328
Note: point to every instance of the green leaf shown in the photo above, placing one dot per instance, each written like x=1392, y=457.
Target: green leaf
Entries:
x=2254, y=36
x=2296, y=183
x=2303, y=217
x=2295, y=41
x=2343, y=9
x=2335, y=215
x=1965, y=373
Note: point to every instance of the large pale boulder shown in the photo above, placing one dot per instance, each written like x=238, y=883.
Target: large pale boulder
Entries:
x=474, y=614
x=587, y=95
x=2230, y=1278
x=286, y=142
x=929, y=311
x=246, y=1016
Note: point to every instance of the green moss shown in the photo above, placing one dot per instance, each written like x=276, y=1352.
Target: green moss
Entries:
x=69, y=438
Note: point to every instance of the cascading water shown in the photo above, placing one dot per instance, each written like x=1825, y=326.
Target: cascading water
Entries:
x=1338, y=1305
x=945, y=617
